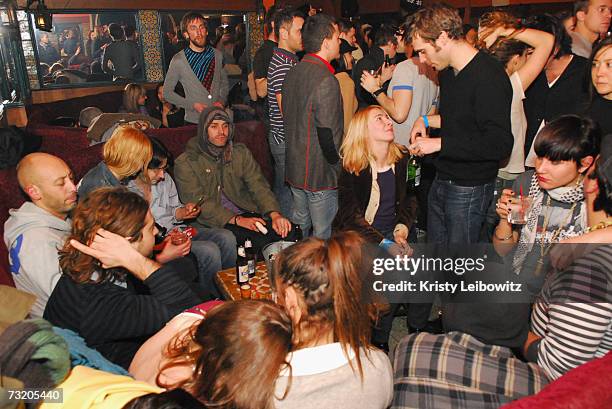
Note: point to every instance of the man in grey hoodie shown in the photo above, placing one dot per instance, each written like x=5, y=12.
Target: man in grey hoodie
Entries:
x=199, y=69
x=34, y=232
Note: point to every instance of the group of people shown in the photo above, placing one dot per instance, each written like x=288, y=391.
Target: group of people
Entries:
x=109, y=53
x=501, y=122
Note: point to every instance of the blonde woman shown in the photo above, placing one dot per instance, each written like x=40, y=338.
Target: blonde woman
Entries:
x=373, y=193
x=134, y=98
x=126, y=154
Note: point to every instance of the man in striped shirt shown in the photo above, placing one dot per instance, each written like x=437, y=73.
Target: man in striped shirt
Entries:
x=288, y=27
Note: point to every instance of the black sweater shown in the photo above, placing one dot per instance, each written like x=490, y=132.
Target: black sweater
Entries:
x=115, y=320
x=475, y=112
x=567, y=96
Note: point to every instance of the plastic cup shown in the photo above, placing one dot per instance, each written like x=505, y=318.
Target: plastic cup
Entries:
x=245, y=291
x=519, y=210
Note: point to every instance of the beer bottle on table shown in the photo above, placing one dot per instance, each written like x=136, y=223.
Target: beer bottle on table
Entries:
x=251, y=256
x=242, y=267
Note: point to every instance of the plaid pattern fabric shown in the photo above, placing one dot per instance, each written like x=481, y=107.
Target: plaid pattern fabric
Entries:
x=457, y=371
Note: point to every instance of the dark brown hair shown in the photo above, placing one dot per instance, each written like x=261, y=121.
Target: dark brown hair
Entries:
x=114, y=209
x=237, y=353
x=325, y=274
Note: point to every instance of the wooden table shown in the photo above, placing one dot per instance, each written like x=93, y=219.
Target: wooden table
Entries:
x=260, y=283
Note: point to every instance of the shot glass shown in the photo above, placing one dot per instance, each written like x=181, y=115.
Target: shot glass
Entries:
x=245, y=291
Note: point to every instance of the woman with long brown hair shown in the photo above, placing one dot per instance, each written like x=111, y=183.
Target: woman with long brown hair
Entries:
x=230, y=358
x=332, y=362
x=106, y=254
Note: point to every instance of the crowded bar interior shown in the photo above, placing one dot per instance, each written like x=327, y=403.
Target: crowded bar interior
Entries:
x=270, y=204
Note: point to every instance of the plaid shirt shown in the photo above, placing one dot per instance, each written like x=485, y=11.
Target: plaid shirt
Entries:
x=457, y=371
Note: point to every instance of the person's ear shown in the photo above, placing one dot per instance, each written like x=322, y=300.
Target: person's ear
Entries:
x=585, y=163
x=442, y=39
x=33, y=192
x=185, y=35
x=292, y=305
x=580, y=16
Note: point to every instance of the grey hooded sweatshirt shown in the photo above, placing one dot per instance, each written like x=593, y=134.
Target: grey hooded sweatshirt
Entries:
x=32, y=235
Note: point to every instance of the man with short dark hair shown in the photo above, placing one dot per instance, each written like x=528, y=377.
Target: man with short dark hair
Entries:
x=385, y=44
x=592, y=22
x=288, y=28
x=199, y=69
x=34, y=232
x=474, y=117
x=313, y=122
x=347, y=32
x=120, y=58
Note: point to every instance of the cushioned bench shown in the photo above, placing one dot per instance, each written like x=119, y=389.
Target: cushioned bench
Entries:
x=71, y=145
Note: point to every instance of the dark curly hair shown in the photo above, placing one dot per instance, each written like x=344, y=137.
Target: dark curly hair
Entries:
x=114, y=209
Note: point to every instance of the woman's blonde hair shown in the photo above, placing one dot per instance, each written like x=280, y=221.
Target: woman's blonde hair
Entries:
x=131, y=94
x=127, y=152
x=355, y=152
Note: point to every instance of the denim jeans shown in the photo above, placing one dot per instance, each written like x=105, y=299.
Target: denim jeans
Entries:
x=215, y=249
x=492, y=219
x=280, y=188
x=456, y=213
x=314, y=210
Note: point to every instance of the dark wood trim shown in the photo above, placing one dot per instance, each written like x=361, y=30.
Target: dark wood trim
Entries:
x=44, y=96
x=212, y=5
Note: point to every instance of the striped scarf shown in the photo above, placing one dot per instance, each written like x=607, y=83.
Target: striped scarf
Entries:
x=202, y=64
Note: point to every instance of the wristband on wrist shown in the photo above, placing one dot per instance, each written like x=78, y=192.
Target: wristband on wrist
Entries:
x=378, y=92
x=426, y=121
x=386, y=244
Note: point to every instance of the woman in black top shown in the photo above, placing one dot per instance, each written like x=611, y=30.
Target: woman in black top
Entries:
x=110, y=292
x=600, y=104
x=560, y=88
x=170, y=115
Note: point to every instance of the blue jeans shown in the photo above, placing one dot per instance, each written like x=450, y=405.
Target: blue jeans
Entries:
x=280, y=188
x=456, y=213
x=215, y=249
x=314, y=210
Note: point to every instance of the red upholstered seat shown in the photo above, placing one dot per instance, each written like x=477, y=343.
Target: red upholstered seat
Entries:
x=71, y=144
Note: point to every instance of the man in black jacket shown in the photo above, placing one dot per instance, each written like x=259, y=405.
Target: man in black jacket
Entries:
x=313, y=123
x=475, y=97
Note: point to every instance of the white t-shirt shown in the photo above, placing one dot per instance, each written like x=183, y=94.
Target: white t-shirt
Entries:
x=424, y=95
x=518, y=122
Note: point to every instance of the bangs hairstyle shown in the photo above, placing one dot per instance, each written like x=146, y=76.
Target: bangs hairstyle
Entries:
x=326, y=277
x=237, y=353
x=568, y=138
x=113, y=209
x=128, y=152
x=355, y=152
x=316, y=29
x=598, y=49
x=131, y=94
x=160, y=154
x=189, y=18
x=429, y=22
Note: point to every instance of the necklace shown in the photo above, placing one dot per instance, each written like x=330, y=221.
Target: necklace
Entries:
x=544, y=249
x=601, y=225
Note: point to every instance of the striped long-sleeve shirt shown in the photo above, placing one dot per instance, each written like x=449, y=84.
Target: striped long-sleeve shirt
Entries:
x=573, y=314
x=116, y=319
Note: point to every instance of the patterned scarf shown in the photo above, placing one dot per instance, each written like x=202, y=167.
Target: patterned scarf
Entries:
x=202, y=64
x=528, y=233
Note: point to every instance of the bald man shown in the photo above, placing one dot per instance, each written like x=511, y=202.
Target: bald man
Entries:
x=34, y=232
